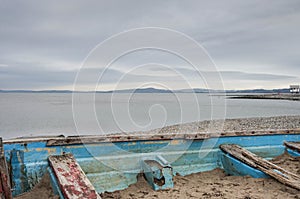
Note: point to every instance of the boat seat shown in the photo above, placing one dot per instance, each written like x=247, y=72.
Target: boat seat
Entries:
x=258, y=163
x=70, y=179
x=158, y=172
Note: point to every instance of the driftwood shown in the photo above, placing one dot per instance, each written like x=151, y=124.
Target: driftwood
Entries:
x=293, y=145
x=5, y=187
x=278, y=173
x=71, y=179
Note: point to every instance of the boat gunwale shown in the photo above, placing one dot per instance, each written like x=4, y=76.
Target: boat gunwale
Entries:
x=125, y=137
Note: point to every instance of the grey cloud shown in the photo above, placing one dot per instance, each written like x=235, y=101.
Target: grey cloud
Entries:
x=16, y=77
x=228, y=75
x=42, y=78
x=255, y=76
x=39, y=36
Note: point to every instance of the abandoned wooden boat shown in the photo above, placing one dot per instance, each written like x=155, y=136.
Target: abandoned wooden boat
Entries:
x=84, y=166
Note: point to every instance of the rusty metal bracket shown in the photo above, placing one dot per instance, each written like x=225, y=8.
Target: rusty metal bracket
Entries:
x=158, y=172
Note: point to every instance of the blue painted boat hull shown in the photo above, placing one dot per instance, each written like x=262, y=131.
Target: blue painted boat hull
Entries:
x=114, y=166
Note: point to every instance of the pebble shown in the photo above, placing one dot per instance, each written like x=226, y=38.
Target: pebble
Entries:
x=231, y=125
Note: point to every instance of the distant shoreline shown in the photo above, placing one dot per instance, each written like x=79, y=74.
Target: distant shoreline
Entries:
x=293, y=97
x=156, y=90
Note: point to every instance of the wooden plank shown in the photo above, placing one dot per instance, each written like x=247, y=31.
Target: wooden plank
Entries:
x=123, y=137
x=293, y=145
x=169, y=136
x=5, y=189
x=263, y=165
x=71, y=179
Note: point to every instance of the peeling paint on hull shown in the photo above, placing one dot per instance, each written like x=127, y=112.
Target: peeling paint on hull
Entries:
x=29, y=161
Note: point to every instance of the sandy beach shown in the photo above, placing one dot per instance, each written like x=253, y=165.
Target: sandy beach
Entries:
x=216, y=184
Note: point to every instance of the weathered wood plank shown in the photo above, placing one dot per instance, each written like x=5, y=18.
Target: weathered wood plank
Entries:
x=72, y=181
x=142, y=137
x=5, y=187
x=293, y=145
x=123, y=137
x=263, y=165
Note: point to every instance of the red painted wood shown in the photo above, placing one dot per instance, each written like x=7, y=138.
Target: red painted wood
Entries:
x=72, y=181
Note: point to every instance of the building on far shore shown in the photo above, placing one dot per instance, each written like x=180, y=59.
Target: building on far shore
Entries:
x=294, y=89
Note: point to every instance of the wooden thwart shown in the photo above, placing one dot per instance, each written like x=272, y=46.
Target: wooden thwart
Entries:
x=263, y=165
x=293, y=145
x=72, y=181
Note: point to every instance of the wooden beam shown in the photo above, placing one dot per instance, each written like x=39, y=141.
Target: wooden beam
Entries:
x=159, y=136
x=263, y=165
x=5, y=187
x=293, y=145
x=123, y=137
x=72, y=181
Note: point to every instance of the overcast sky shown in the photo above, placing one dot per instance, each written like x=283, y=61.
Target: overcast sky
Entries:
x=254, y=43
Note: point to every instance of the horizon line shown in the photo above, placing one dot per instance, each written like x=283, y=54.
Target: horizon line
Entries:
x=126, y=89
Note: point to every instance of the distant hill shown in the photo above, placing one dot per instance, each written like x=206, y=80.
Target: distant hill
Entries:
x=154, y=90
x=139, y=90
